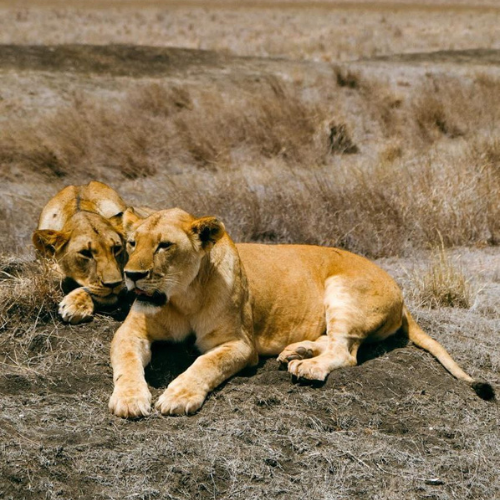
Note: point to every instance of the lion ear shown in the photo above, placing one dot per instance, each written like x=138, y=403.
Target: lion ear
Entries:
x=117, y=222
x=48, y=241
x=208, y=230
x=130, y=220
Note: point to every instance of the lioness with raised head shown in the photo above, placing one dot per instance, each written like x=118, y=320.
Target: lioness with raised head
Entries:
x=314, y=306
x=80, y=232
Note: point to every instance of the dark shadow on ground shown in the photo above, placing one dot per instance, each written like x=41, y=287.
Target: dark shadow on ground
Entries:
x=117, y=60
x=374, y=350
x=169, y=360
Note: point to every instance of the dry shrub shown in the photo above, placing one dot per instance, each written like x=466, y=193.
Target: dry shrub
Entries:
x=438, y=108
x=485, y=150
x=157, y=100
x=434, y=118
x=28, y=293
x=386, y=107
x=442, y=283
x=391, y=151
x=347, y=78
x=156, y=126
x=455, y=106
x=381, y=210
x=340, y=140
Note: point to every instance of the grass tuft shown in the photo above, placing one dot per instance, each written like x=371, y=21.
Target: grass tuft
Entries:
x=28, y=293
x=443, y=283
x=347, y=78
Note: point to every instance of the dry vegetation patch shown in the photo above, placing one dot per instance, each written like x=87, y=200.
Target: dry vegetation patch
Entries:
x=157, y=126
x=285, y=162
x=28, y=294
x=443, y=283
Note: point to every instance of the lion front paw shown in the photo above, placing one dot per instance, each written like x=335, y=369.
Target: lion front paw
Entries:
x=76, y=307
x=130, y=402
x=180, y=399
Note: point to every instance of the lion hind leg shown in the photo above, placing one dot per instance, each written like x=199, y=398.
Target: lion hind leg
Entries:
x=350, y=320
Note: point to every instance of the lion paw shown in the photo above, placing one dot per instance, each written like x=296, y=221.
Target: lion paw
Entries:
x=76, y=307
x=180, y=400
x=295, y=351
x=131, y=402
x=309, y=369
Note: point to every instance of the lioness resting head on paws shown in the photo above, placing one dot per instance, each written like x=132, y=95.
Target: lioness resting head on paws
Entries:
x=314, y=306
x=80, y=232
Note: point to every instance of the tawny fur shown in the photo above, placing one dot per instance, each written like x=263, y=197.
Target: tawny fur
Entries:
x=314, y=306
x=84, y=219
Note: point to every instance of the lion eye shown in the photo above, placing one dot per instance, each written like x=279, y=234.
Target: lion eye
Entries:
x=117, y=249
x=164, y=245
x=131, y=243
x=86, y=253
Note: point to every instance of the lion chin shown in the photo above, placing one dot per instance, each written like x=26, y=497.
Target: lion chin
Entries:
x=150, y=300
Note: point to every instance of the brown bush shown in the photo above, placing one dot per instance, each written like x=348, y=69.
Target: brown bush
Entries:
x=28, y=293
x=381, y=210
x=347, y=78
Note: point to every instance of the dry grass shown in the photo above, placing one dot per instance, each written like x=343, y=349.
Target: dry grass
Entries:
x=389, y=209
x=157, y=126
x=274, y=164
x=28, y=295
x=442, y=284
x=436, y=108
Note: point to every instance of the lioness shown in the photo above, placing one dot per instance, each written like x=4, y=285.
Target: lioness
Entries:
x=314, y=306
x=80, y=231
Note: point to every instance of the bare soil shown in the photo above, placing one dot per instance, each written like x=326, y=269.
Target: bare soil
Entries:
x=396, y=426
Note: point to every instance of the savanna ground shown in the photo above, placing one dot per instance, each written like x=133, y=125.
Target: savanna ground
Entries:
x=370, y=126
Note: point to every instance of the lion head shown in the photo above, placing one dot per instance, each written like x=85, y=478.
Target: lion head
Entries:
x=165, y=251
x=89, y=252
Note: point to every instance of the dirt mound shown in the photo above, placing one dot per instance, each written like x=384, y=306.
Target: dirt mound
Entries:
x=398, y=417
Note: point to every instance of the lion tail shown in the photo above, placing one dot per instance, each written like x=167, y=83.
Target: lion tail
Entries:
x=424, y=341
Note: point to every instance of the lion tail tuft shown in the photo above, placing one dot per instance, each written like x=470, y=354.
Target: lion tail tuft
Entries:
x=484, y=390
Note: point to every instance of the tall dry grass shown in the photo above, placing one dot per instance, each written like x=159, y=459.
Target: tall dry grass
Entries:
x=389, y=209
x=438, y=107
x=273, y=163
x=442, y=283
x=156, y=127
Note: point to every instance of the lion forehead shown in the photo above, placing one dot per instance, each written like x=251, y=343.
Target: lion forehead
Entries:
x=163, y=228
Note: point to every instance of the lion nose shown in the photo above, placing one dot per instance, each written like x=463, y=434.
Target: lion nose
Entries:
x=136, y=275
x=112, y=284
